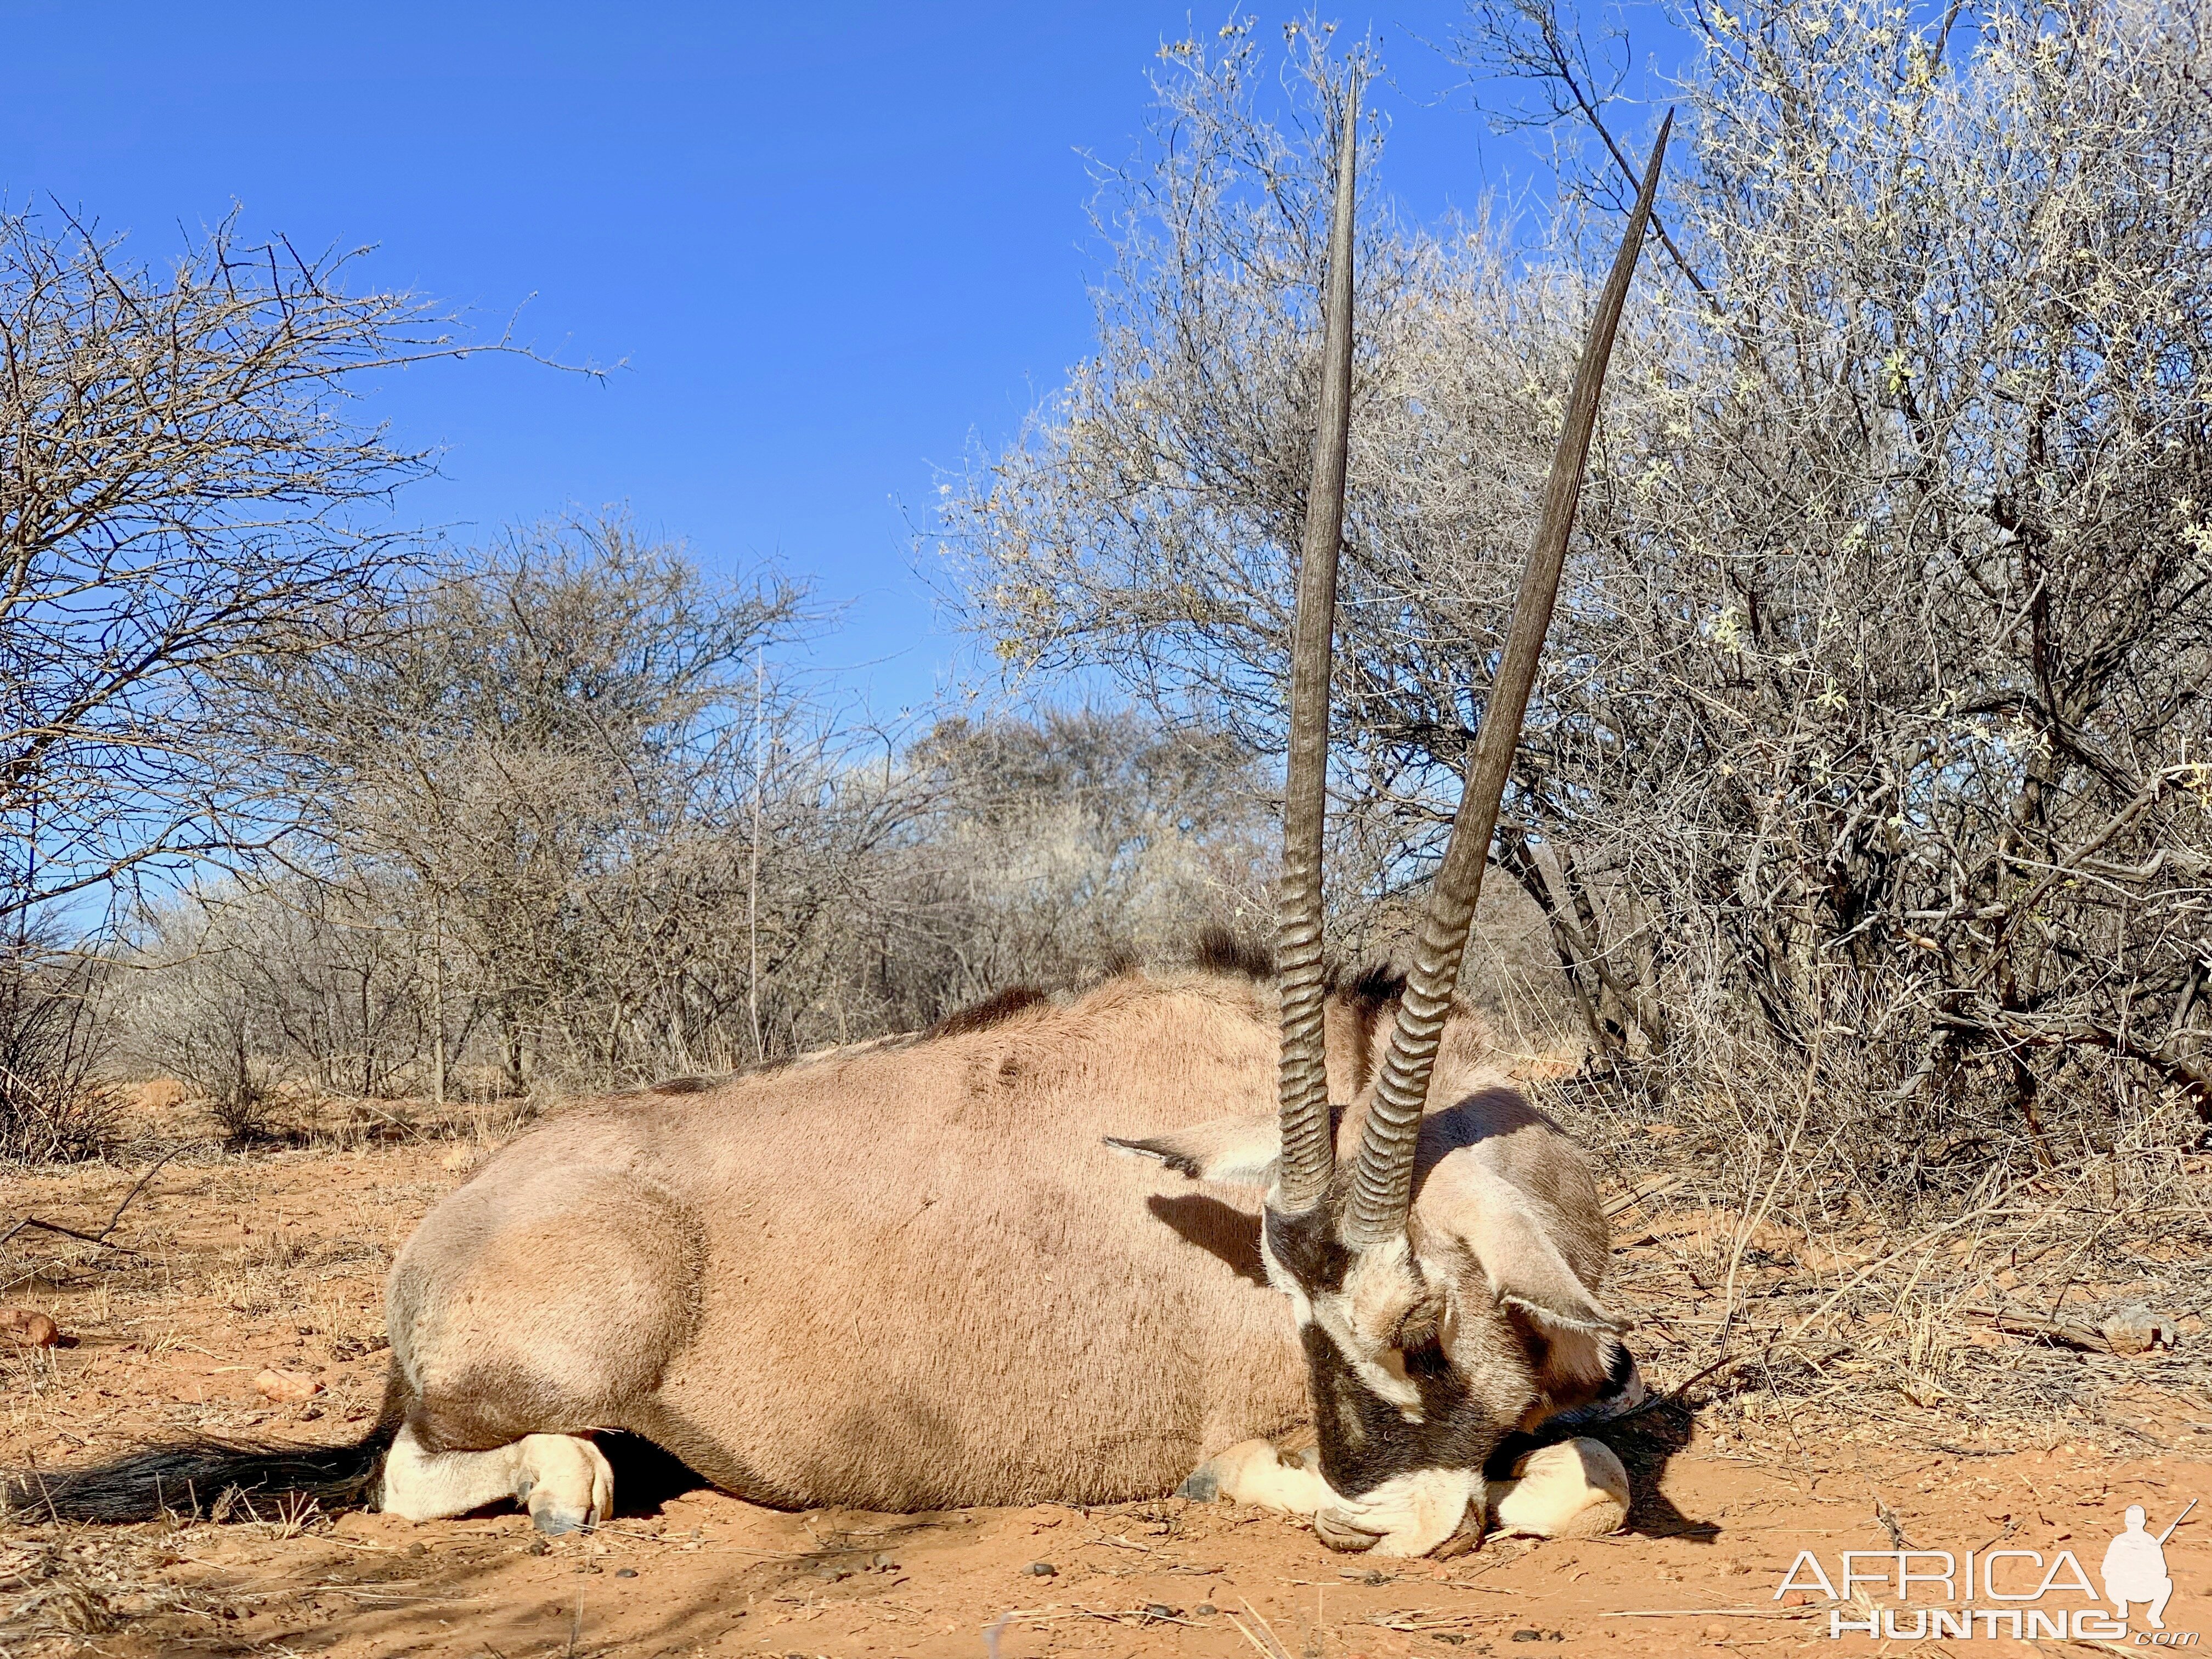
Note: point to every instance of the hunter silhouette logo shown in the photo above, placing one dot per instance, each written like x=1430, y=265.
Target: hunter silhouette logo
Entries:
x=2134, y=1567
x=2019, y=1593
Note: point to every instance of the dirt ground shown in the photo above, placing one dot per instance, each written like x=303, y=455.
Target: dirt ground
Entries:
x=236, y=1263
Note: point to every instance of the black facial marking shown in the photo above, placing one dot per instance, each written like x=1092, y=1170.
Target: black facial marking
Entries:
x=1307, y=1246
x=1365, y=1440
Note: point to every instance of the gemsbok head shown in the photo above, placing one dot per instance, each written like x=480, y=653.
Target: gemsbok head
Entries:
x=1430, y=1331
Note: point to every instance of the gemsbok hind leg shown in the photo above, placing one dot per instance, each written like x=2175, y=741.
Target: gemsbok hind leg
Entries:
x=526, y=1314
x=563, y=1480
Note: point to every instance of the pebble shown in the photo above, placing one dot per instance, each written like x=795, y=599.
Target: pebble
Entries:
x=625, y=1572
x=1043, y=1568
x=29, y=1327
x=284, y=1387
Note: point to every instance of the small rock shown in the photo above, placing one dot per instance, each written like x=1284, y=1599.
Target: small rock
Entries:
x=28, y=1326
x=285, y=1386
x=1205, y=1609
x=418, y=1550
x=625, y=1572
x=1715, y=1631
x=1161, y=1610
x=1043, y=1568
x=1528, y=1635
x=834, y=1573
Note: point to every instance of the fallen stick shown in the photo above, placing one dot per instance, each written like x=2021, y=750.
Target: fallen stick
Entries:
x=2057, y=1333
x=100, y=1237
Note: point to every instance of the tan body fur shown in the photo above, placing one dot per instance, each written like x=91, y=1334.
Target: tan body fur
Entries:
x=909, y=1275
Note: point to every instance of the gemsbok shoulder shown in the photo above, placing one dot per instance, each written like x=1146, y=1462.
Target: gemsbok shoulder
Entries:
x=1083, y=1248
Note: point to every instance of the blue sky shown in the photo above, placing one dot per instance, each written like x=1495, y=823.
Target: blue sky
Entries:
x=833, y=243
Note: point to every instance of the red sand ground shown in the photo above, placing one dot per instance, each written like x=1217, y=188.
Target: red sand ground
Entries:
x=277, y=1260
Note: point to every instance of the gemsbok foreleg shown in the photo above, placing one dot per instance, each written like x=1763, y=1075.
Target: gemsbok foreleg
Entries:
x=563, y=1480
x=1575, y=1489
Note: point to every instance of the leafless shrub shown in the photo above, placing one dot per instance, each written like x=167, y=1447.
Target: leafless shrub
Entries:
x=54, y=1101
x=1871, y=728
x=571, y=830
x=182, y=481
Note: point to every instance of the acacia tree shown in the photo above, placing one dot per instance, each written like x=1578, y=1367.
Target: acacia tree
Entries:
x=185, y=495
x=1873, y=697
x=525, y=738
x=184, y=489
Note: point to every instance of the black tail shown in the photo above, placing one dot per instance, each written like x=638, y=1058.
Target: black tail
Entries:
x=199, y=1477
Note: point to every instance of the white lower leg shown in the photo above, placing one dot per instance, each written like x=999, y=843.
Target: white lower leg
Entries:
x=564, y=1478
x=1408, y=1515
x=1253, y=1472
x=1576, y=1489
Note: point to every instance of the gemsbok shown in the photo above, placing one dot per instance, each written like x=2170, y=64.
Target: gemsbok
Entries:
x=1057, y=1247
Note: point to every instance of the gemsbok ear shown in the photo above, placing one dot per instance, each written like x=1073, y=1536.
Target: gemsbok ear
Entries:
x=1506, y=1230
x=1238, y=1150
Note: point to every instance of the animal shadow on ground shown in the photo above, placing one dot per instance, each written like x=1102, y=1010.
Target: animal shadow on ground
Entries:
x=1645, y=1442
x=647, y=1477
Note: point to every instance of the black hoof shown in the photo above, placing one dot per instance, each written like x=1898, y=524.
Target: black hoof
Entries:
x=1339, y=1534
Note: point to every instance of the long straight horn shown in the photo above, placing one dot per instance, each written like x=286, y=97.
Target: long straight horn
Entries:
x=1308, y=1145
x=1382, y=1181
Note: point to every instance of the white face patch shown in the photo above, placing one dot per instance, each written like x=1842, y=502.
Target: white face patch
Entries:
x=1409, y=1514
x=1381, y=1371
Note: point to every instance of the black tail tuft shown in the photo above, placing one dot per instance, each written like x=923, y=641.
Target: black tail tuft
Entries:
x=192, y=1477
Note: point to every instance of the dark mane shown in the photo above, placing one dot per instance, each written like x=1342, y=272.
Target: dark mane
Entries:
x=991, y=1010
x=1221, y=952
x=1375, y=984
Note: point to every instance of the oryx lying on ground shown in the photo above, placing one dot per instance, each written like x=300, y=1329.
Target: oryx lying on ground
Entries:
x=1017, y=1259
